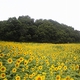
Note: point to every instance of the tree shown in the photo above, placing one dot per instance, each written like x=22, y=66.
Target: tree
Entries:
x=41, y=30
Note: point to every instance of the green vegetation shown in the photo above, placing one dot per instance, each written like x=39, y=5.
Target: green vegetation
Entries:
x=39, y=61
x=26, y=29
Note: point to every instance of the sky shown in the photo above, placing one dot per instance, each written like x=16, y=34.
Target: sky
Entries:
x=62, y=11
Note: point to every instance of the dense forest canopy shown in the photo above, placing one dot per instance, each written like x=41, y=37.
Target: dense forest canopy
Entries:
x=26, y=29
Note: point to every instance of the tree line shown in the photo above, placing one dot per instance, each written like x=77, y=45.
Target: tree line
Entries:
x=26, y=29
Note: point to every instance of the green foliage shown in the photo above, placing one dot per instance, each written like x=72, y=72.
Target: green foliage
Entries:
x=25, y=29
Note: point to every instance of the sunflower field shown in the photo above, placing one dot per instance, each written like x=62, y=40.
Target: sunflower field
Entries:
x=39, y=61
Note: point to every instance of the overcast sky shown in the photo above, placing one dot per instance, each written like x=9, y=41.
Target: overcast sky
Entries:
x=63, y=11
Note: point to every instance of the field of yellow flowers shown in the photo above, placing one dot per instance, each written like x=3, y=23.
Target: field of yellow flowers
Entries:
x=39, y=61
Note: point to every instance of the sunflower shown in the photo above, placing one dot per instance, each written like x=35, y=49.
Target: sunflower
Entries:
x=21, y=59
x=1, y=55
x=77, y=67
x=17, y=65
x=75, y=58
x=59, y=67
x=56, y=69
x=18, y=61
x=71, y=79
x=62, y=64
x=17, y=77
x=25, y=54
x=24, y=78
x=32, y=69
x=8, y=54
x=27, y=67
x=65, y=68
x=58, y=77
x=67, y=78
x=29, y=60
x=39, y=77
x=26, y=75
x=14, y=70
x=0, y=64
x=30, y=76
x=25, y=62
x=23, y=69
x=5, y=79
x=40, y=67
x=3, y=75
x=10, y=60
x=34, y=73
x=3, y=69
